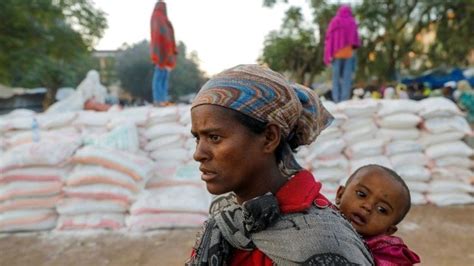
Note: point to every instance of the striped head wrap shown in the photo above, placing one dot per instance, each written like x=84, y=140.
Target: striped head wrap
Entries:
x=269, y=97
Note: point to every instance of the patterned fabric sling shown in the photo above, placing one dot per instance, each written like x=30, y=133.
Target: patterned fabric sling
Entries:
x=309, y=238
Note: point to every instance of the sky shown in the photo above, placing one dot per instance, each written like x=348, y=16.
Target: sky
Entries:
x=224, y=33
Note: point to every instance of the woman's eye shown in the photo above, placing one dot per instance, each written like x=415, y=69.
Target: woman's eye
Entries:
x=382, y=210
x=360, y=194
x=214, y=138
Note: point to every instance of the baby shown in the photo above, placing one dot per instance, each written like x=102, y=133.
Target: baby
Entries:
x=375, y=199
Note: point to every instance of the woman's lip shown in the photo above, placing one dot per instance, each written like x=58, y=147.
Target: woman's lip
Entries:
x=208, y=176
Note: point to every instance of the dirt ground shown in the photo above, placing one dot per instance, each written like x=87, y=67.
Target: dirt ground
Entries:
x=441, y=236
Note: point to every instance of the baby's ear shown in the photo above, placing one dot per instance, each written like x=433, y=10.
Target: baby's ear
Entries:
x=339, y=193
x=392, y=229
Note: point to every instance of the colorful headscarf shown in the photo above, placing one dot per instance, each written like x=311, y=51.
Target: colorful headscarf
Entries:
x=163, y=45
x=341, y=32
x=269, y=97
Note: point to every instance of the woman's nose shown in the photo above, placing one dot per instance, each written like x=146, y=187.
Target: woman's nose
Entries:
x=200, y=154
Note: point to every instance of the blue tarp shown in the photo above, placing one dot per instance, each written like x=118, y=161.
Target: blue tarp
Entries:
x=437, y=78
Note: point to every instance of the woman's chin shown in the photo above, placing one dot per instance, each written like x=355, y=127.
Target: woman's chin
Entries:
x=216, y=190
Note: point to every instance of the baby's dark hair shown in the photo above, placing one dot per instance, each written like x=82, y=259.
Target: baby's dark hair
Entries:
x=396, y=177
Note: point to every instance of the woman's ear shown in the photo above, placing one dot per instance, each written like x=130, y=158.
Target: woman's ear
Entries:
x=340, y=191
x=272, y=138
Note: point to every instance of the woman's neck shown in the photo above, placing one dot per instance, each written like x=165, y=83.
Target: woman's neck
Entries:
x=271, y=181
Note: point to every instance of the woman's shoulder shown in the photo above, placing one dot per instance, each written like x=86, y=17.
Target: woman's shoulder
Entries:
x=317, y=234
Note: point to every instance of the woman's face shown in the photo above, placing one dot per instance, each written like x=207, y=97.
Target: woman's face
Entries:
x=230, y=155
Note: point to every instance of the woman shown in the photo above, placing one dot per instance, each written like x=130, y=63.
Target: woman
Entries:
x=340, y=41
x=247, y=122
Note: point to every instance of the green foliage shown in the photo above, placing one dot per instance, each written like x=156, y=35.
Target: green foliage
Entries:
x=296, y=48
x=292, y=49
x=135, y=70
x=186, y=77
x=47, y=43
x=393, y=35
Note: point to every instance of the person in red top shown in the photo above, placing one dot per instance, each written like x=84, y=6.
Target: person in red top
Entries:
x=375, y=199
x=163, y=52
x=247, y=122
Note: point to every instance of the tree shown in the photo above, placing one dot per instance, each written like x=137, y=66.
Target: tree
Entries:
x=396, y=35
x=296, y=49
x=292, y=49
x=135, y=71
x=402, y=36
x=47, y=43
x=186, y=77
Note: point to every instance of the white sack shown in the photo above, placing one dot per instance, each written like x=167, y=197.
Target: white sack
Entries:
x=455, y=148
x=399, y=121
x=391, y=107
x=403, y=146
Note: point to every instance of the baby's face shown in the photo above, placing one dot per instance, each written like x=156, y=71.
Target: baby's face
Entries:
x=372, y=202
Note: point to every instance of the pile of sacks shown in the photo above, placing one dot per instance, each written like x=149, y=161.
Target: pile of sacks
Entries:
x=123, y=171
x=168, y=137
x=127, y=169
x=398, y=122
x=99, y=190
x=31, y=184
x=171, y=201
x=421, y=141
x=443, y=130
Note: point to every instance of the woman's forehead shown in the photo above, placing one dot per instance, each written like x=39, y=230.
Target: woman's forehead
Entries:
x=211, y=115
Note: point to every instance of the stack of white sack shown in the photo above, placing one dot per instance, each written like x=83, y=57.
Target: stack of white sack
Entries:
x=101, y=187
x=169, y=138
x=398, y=121
x=324, y=156
x=363, y=145
x=175, y=201
x=14, y=123
x=91, y=123
x=31, y=177
x=139, y=116
x=443, y=130
x=24, y=126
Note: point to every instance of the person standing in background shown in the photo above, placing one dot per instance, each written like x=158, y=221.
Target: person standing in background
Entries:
x=341, y=40
x=163, y=53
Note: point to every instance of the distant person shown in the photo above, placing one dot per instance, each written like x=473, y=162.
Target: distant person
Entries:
x=163, y=53
x=389, y=93
x=375, y=199
x=448, y=90
x=465, y=99
x=415, y=91
x=401, y=91
x=358, y=94
x=341, y=40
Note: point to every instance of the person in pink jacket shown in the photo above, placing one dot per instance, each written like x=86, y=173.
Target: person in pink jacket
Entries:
x=340, y=42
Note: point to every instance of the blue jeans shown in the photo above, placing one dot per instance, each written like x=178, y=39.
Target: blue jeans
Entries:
x=160, y=85
x=342, y=78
